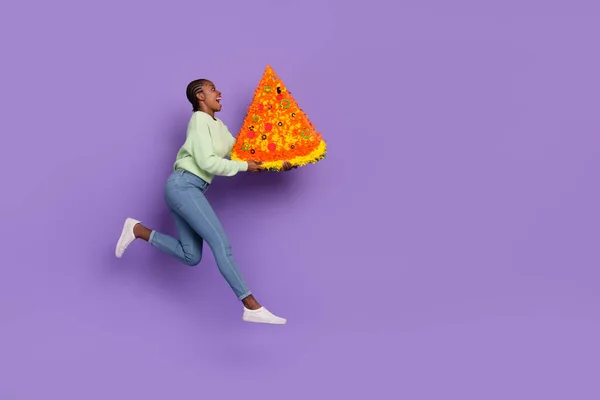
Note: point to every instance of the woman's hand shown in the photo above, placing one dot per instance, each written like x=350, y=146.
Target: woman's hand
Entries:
x=254, y=166
x=287, y=166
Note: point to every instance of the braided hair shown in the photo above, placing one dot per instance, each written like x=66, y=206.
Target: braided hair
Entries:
x=193, y=88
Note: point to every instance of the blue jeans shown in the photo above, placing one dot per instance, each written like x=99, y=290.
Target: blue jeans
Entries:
x=197, y=222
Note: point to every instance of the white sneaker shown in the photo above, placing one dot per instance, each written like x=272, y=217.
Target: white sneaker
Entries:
x=262, y=316
x=127, y=236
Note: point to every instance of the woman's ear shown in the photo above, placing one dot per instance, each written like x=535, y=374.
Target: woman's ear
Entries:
x=200, y=96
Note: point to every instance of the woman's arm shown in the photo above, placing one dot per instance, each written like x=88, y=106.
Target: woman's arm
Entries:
x=231, y=141
x=203, y=152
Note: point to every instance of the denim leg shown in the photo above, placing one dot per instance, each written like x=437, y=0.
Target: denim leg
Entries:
x=189, y=202
x=188, y=249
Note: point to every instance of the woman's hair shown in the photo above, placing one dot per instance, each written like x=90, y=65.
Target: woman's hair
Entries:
x=193, y=88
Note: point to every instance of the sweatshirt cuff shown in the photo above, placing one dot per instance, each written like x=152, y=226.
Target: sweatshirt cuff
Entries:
x=243, y=165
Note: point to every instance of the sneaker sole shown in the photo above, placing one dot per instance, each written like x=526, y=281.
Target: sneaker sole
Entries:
x=263, y=322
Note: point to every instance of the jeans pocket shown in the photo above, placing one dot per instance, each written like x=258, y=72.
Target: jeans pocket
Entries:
x=175, y=191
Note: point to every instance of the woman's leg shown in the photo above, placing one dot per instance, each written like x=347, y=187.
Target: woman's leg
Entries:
x=196, y=219
x=191, y=204
x=188, y=248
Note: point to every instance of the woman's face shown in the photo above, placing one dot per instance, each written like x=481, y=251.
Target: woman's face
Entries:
x=210, y=96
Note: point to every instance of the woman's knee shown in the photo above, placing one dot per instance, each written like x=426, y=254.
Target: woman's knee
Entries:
x=221, y=247
x=192, y=259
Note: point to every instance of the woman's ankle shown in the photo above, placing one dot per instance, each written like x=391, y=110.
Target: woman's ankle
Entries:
x=141, y=232
x=250, y=303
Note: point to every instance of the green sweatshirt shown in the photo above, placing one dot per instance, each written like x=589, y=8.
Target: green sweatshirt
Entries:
x=207, y=142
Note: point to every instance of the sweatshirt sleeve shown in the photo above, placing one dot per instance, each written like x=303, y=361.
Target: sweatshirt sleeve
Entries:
x=231, y=142
x=204, y=155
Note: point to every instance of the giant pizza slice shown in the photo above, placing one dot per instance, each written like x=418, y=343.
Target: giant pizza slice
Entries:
x=275, y=129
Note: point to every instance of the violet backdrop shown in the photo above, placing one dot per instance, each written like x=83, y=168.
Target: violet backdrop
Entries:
x=445, y=249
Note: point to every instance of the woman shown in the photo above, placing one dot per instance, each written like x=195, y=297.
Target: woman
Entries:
x=201, y=158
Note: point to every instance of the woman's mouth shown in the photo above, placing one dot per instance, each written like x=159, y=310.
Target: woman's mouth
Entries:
x=219, y=100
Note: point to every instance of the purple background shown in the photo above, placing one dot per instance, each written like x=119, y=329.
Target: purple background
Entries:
x=445, y=249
